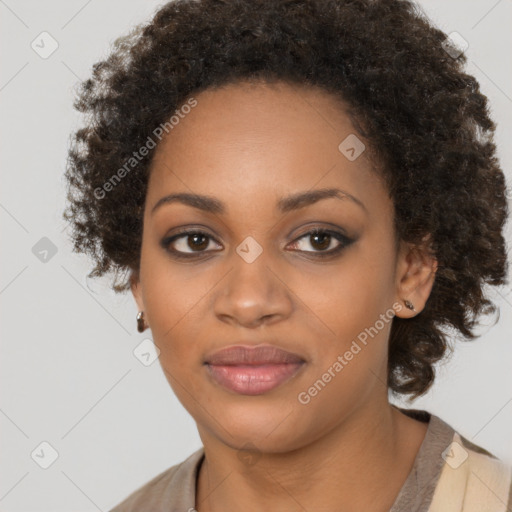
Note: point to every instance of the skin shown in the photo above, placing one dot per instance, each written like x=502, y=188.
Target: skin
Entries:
x=248, y=145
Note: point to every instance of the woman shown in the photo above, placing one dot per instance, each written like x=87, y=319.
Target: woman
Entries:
x=302, y=197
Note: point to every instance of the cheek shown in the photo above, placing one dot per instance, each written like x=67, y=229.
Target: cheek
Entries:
x=174, y=317
x=173, y=304
x=172, y=299
x=355, y=293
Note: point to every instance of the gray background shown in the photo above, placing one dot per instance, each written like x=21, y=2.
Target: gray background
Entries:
x=68, y=373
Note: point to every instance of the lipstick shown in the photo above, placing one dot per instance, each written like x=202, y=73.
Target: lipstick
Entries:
x=252, y=370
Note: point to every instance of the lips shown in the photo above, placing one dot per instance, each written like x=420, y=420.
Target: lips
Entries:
x=252, y=370
x=261, y=354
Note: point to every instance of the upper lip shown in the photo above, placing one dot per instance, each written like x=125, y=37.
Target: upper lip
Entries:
x=259, y=354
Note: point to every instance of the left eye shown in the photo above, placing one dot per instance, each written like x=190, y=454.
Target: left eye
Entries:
x=322, y=241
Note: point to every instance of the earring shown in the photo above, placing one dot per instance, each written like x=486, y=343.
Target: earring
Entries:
x=409, y=305
x=141, y=325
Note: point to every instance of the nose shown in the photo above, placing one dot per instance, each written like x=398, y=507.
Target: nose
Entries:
x=252, y=294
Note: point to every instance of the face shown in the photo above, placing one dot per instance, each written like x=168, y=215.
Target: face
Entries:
x=319, y=276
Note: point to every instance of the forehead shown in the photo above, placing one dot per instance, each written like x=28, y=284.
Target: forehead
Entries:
x=246, y=114
x=265, y=140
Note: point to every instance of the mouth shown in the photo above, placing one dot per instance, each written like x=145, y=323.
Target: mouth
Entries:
x=252, y=370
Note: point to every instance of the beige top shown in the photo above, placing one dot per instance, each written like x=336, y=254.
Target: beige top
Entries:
x=450, y=474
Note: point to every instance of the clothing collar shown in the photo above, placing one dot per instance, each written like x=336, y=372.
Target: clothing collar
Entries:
x=417, y=490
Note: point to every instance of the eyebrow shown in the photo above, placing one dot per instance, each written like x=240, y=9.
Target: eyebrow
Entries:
x=286, y=204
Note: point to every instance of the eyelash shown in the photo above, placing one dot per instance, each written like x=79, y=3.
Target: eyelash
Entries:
x=344, y=243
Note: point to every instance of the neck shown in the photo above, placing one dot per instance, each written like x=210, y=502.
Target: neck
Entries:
x=361, y=462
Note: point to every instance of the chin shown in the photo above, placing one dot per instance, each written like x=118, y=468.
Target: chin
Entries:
x=269, y=429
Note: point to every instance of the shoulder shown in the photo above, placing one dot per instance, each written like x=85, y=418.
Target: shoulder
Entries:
x=472, y=479
x=173, y=489
x=451, y=473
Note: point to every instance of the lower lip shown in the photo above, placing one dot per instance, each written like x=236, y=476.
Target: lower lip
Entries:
x=253, y=379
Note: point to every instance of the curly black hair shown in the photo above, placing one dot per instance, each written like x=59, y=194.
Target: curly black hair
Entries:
x=409, y=98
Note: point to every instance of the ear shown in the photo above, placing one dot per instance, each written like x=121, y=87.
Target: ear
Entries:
x=136, y=289
x=416, y=270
